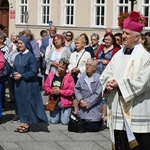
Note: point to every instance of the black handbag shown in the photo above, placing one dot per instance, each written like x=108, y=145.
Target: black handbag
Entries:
x=75, y=77
x=75, y=124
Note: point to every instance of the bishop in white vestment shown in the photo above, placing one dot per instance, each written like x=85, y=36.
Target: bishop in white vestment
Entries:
x=126, y=83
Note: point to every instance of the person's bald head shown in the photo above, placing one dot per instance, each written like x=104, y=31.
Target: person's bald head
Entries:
x=108, y=30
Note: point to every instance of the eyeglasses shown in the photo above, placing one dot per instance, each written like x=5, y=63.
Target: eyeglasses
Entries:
x=93, y=39
x=68, y=35
x=90, y=65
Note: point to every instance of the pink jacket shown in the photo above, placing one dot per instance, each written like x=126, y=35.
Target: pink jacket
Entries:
x=66, y=92
x=2, y=62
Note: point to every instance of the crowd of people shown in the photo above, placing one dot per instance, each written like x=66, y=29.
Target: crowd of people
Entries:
x=99, y=79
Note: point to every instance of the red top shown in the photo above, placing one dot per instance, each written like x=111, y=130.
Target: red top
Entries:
x=115, y=49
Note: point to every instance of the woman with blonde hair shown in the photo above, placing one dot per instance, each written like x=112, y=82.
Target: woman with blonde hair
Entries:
x=14, y=41
x=78, y=58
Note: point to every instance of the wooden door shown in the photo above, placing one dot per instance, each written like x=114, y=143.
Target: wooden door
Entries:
x=4, y=18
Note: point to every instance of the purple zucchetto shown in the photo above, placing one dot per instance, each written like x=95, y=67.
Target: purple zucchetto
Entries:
x=132, y=25
x=134, y=22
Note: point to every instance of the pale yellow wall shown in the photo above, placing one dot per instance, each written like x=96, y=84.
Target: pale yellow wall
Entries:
x=33, y=11
x=55, y=12
x=12, y=22
x=109, y=13
x=82, y=18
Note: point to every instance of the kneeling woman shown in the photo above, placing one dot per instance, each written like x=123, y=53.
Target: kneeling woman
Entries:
x=26, y=89
x=88, y=93
x=60, y=85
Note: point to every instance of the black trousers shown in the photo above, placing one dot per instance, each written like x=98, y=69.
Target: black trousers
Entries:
x=121, y=141
x=92, y=126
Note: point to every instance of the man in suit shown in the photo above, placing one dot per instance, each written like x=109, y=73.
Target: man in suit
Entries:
x=48, y=40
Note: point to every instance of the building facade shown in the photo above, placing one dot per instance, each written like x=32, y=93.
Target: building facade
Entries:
x=79, y=16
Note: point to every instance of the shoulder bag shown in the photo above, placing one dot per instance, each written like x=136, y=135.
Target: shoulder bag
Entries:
x=51, y=104
x=75, y=75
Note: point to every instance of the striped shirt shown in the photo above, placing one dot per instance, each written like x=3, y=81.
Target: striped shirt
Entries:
x=5, y=51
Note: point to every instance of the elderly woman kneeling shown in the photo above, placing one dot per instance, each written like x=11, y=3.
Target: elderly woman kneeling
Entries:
x=88, y=93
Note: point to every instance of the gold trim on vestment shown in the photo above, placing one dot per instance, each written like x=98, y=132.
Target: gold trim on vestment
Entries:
x=126, y=107
x=113, y=146
x=133, y=144
x=133, y=70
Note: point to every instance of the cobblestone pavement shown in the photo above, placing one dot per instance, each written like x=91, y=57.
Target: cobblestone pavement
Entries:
x=47, y=137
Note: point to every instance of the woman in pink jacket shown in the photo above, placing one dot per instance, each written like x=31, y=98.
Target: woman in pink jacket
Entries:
x=60, y=84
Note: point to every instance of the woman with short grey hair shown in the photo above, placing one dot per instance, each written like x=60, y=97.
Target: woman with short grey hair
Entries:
x=88, y=93
x=94, y=42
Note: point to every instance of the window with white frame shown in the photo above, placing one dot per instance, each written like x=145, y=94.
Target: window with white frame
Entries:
x=146, y=11
x=122, y=6
x=99, y=13
x=69, y=12
x=44, y=12
x=23, y=13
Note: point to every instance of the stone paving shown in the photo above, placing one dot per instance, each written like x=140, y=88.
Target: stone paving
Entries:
x=48, y=137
